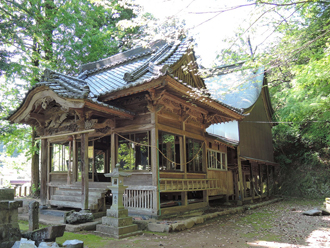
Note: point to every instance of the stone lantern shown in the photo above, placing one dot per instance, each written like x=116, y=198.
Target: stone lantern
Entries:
x=117, y=223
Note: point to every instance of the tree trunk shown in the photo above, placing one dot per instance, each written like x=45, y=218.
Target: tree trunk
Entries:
x=34, y=164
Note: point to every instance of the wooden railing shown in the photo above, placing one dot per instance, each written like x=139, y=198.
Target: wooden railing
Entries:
x=140, y=197
x=173, y=185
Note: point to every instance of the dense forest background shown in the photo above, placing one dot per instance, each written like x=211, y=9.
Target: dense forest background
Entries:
x=290, y=38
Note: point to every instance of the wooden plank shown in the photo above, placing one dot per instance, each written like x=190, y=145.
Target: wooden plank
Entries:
x=43, y=172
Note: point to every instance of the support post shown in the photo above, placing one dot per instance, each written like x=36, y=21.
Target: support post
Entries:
x=240, y=177
x=251, y=182
x=74, y=160
x=268, y=192
x=84, y=173
x=68, y=179
x=113, y=151
x=261, y=182
x=43, y=172
x=154, y=161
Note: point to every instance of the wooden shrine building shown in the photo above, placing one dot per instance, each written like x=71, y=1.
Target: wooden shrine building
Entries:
x=146, y=110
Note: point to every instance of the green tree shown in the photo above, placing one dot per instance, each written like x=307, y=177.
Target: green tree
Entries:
x=55, y=34
x=296, y=55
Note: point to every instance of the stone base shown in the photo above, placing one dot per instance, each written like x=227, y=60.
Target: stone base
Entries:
x=119, y=232
x=121, y=222
x=121, y=213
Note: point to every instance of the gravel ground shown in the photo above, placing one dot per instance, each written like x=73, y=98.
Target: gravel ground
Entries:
x=281, y=224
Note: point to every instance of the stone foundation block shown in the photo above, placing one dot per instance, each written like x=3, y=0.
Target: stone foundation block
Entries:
x=117, y=222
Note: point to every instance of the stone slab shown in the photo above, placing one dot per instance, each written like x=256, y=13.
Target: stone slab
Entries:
x=48, y=245
x=48, y=234
x=75, y=243
x=313, y=212
x=7, y=194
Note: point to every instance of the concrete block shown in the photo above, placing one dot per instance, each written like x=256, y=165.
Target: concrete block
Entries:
x=117, y=222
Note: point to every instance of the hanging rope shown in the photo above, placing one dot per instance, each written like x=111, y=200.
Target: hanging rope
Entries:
x=174, y=163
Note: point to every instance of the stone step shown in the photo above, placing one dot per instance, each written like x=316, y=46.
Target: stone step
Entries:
x=74, y=198
x=74, y=188
x=70, y=204
x=118, y=232
x=77, y=193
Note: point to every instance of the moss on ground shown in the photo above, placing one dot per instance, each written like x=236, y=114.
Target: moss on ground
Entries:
x=24, y=225
x=90, y=240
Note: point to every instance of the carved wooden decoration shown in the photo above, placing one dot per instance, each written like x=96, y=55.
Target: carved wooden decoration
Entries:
x=153, y=100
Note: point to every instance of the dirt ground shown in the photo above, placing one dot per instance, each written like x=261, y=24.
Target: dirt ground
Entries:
x=278, y=225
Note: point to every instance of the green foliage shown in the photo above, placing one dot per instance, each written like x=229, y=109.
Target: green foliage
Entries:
x=295, y=51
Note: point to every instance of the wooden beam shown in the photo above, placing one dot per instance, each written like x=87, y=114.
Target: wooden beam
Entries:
x=108, y=110
x=66, y=134
x=43, y=172
x=206, y=101
x=132, y=90
x=84, y=172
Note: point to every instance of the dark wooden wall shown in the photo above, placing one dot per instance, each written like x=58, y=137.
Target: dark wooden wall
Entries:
x=256, y=138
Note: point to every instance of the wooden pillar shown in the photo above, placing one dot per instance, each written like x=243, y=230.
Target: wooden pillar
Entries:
x=155, y=162
x=235, y=175
x=84, y=173
x=274, y=181
x=74, y=159
x=69, y=179
x=251, y=181
x=261, y=182
x=204, y=166
x=183, y=150
x=43, y=172
x=268, y=191
x=49, y=160
x=113, y=151
x=240, y=177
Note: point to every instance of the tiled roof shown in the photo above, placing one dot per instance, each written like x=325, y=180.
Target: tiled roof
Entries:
x=131, y=68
